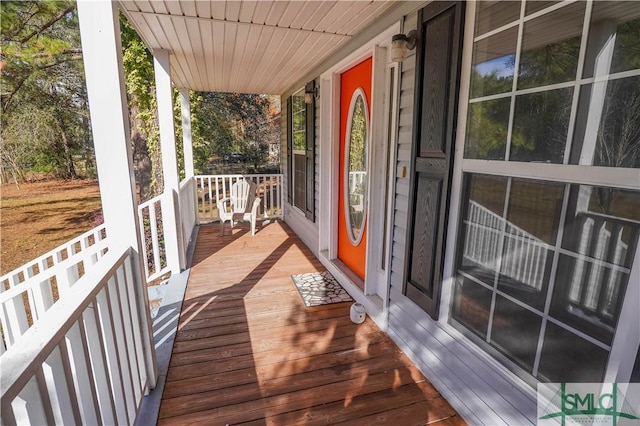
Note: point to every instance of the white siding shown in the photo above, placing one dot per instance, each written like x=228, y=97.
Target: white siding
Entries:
x=403, y=160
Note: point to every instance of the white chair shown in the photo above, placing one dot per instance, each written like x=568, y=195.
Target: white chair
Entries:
x=241, y=205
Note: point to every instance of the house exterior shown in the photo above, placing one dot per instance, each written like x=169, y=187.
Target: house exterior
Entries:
x=497, y=180
x=480, y=195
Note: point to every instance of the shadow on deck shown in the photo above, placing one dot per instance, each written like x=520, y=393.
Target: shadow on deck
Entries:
x=248, y=351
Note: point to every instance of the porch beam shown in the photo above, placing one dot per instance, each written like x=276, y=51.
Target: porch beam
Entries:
x=102, y=55
x=174, y=247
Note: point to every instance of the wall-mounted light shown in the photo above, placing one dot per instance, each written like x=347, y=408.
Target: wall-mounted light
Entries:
x=400, y=43
x=310, y=92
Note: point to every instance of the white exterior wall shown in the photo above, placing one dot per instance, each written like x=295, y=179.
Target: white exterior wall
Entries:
x=464, y=375
x=479, y=387
x=403, y=162
x=452, y=366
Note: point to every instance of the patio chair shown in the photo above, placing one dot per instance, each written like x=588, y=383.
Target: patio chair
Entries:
x=241, y=205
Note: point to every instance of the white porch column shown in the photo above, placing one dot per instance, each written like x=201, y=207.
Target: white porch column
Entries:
x=174, y=246
x=187, y=143
x=102, y=55
x=187, y=149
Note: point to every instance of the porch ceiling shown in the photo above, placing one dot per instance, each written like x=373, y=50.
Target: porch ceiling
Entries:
x=248, y=46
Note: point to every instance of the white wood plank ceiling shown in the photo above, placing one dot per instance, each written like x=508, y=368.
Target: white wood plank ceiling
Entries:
x=247, y=46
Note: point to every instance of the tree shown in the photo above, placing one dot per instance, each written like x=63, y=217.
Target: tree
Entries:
x=44, y=106
x=235, y=123
x=143, y=118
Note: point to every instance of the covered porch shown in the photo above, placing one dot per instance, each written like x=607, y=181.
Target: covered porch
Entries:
x=248, y=351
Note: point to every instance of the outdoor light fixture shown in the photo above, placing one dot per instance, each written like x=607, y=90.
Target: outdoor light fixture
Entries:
x=400, y=43
x=310, y=92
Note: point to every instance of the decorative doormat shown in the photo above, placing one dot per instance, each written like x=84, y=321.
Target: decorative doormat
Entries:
x=320, y=288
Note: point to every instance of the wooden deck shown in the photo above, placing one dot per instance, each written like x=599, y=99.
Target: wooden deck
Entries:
x=248, y=351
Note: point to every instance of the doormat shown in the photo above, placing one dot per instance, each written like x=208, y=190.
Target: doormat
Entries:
x=320, y=288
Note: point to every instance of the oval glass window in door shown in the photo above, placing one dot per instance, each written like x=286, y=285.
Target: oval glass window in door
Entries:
x=356, y=166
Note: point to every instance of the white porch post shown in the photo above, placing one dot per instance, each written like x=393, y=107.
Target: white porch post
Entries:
x=187, y=149
x=174, y=247
x=187, y=143
x=102, y=54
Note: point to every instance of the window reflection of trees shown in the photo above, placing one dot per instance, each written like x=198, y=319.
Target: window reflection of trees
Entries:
x=618, y=140
x=357, y=163
x=550, y=56
x=487, y=129
x=299, y=162
x=299, y=121
x=540, y=126
x=357, y=138
x=550, y=64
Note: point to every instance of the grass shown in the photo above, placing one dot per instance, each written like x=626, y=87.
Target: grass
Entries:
x=37, y=217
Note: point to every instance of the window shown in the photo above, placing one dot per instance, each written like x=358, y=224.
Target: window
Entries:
x=541, y=92
x=542, y=270
x=301, y=151
x=551, y=223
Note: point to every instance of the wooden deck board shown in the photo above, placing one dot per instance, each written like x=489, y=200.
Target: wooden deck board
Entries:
x=249, y=352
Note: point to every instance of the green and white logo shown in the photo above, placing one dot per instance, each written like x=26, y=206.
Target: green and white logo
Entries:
x=602, y=404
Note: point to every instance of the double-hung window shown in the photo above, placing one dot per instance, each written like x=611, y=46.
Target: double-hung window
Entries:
x=551, y=197
x=301, y=152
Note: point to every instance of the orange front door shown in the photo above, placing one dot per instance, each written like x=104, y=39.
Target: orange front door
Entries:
x=354, y=82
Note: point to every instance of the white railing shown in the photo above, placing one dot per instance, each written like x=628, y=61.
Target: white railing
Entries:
x=356, y=181
x=29, y=292
x=152, y=238
x=593, y=265
x=523, y=258
x=198, y=196
x=598, y=271
x=211, y=188
x=84, y=363
x=357, y=190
